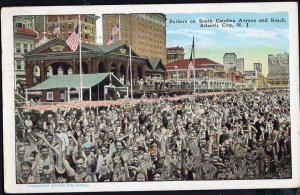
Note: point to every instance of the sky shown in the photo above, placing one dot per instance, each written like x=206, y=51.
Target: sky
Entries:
x=253, y=43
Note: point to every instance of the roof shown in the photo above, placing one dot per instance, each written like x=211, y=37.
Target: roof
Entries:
x=26, y=31
x=72, y=81
x=96, y=48
x=177, y=47
x=200, y=63
x=154, y=62
x=108, y=48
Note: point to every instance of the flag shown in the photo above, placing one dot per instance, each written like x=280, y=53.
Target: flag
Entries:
x=115, y=29
x=110, y=41
x=190, y=66
x=56, y=30
x=73, y=40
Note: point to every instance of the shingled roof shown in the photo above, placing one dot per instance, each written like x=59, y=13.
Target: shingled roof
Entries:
x=154, y=62
x=200, y=63
x=73, y=81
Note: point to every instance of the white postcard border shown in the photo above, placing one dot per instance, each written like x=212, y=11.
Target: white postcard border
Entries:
x=8, y=97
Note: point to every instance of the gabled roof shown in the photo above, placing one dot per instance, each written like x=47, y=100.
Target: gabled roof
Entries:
x=102, y=49
x=109, y=48
x=73, y=81
x=200, y=62
x=155, y=62
x=95, y=48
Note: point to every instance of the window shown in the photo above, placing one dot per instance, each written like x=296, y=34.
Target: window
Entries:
x=70, y=26
x=18, y=62
x=49, y=95
x=18, y=47
x=25, y=48
x=86, y=36
x=63, y=26
x=62, y=95
x=20, y=25
x=69, y=17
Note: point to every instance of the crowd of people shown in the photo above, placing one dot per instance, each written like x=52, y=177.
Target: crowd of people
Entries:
x=214, y=137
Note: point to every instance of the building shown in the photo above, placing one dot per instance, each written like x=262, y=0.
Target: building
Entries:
x=278, y=69
x=24, y=41
x=67, y=24
x=258, y=67
x=174, y=54
x=56, y=58
x=229, y=61
x=254, y=79
x=146, y=33
x=208, y=74
x=66, y=88
x=240, y=64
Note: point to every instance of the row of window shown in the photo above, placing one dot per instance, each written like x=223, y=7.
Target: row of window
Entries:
x=71, y=27
x=85, y=36
x=57, y=18
x=22, y=25
x=152, y=37
x=175, y=56
x=150, y=51
x=183, y=75
x=23, y=47
x=149, y=45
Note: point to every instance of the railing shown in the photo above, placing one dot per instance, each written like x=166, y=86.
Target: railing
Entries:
x=188, y=87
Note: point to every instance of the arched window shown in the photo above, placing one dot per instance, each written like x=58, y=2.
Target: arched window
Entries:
x=36, y=75
x=70, y=71
x=60, y=71
x=49, y=71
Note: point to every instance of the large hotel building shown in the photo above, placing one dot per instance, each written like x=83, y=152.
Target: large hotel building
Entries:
x=146, y=33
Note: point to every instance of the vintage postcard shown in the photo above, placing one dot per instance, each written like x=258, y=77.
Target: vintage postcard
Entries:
x=150, y=97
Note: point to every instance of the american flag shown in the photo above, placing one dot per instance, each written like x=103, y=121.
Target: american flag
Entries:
x=115, y=29
x=110, y=41
x=73, y=40
x=190, y=66
x=56, y=30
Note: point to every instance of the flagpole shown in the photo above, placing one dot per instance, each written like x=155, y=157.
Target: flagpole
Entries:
x=58, y=33
x=44, y=26
x=130, y=65
x=119, y=29
x=194, y=65
x=80, y=61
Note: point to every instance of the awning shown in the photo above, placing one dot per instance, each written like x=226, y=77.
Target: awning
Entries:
x=73, y=81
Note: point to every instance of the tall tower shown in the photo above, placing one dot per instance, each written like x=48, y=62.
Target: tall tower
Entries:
x=229, y=61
